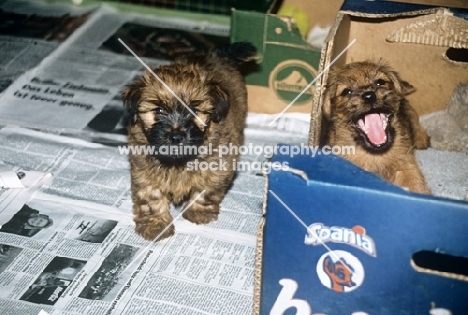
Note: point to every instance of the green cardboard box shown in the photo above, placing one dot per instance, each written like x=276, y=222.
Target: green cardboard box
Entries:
x=288, y=62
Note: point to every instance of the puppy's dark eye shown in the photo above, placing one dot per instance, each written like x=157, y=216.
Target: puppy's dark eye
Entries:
x=195, y=103
x=159, y=111
x=346, y=92
x=380, y=82
x=193, y=106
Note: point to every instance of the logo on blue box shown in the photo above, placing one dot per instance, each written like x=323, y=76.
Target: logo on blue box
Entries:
x=318, y=234
x=340, y=271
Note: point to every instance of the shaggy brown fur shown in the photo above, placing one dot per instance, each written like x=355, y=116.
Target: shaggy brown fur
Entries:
x=213, y=88
x=365, y=106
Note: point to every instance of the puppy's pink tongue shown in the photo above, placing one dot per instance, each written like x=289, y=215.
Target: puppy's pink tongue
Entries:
x=375, y=130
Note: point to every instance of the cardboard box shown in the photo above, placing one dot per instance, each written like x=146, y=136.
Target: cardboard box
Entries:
x=337, y=240
x=417, y=41
x=288, y=62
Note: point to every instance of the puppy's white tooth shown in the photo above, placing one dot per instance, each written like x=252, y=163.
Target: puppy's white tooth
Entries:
x=361, y=124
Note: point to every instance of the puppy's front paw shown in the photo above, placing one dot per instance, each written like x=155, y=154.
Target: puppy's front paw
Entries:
x=413, y=180
x=199, y=214
x=421, y=139
x=151, y=227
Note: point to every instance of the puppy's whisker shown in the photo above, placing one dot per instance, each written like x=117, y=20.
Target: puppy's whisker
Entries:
x=162, y=82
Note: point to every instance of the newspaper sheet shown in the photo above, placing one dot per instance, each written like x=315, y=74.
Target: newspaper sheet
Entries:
x=30, y=31
x=77, y=86
x=83, y=77
x=71, y=248
x=87, y=258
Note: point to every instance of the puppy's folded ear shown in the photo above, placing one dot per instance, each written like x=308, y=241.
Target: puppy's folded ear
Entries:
x=131, y=96
x=402, y=87
x=220, y=99
x=406, y=88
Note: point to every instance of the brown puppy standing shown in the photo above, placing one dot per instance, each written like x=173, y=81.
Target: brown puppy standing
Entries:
x=213, y=88
x=365, y=106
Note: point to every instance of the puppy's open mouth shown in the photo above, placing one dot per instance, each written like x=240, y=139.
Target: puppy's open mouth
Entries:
x=374, y=128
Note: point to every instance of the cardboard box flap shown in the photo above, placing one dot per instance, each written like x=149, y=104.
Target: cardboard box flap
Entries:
x=435, y=27
x=276, y=30
x=283, y=29
x=437, y=30
x=381, y=8
x=331, y=169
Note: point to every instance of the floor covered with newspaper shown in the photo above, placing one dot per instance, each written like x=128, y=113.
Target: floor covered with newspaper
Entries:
x=61, y=128
x=90, y=261
x=60, y=162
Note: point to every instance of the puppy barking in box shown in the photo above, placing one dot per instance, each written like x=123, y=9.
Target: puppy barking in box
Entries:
x=201, y=106
x=365, y=106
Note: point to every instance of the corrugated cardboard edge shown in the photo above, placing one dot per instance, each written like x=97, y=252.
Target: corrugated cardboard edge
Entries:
x=259, y=244
x=434, y=29
x=439, y=273
x=389, y=15
x=258, y=268
x=325, y=59
x=259, y=252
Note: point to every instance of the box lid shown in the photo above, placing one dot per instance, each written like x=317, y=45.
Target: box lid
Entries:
x=326, y=169
x=388, y=8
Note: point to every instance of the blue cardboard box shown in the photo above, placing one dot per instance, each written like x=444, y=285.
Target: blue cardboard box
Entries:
x=338, y=240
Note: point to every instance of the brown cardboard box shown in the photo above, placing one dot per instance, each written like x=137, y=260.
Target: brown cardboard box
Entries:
x=417, y=44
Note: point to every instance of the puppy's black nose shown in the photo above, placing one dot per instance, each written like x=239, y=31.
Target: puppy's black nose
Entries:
x=177, y=137
x=369, y=97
